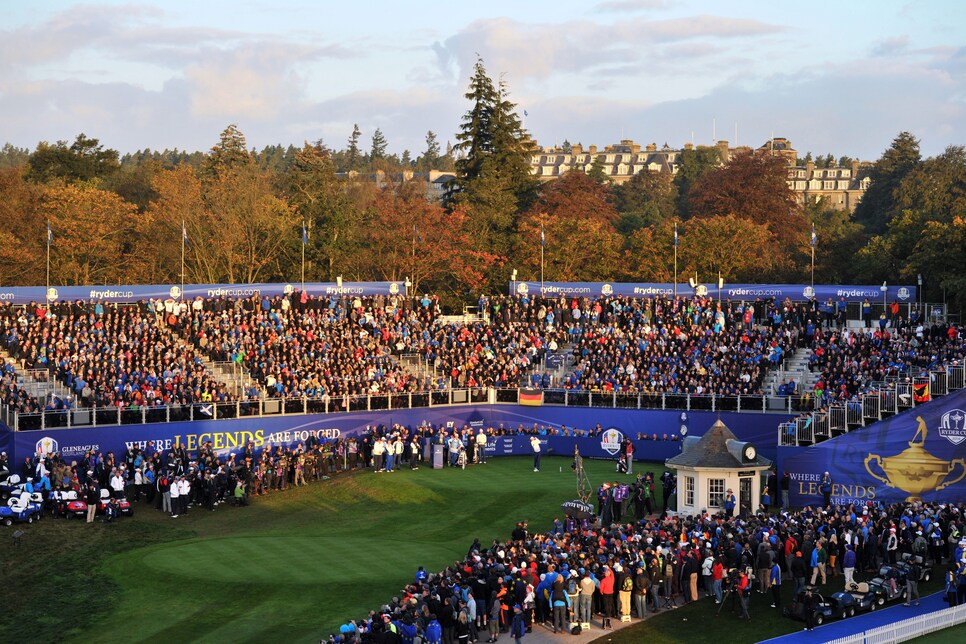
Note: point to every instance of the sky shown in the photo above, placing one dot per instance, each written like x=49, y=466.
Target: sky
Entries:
x=833, y=77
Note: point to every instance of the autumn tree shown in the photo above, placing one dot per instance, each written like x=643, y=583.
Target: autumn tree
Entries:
x=93, y=234
x=22, y=229
x=577, y=219
x=406, y=236
x=735, y=246
x=692, y=165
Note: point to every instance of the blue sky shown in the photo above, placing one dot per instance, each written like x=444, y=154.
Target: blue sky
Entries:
x=833, y=77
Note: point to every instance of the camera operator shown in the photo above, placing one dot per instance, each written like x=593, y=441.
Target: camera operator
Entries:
x=744, y=594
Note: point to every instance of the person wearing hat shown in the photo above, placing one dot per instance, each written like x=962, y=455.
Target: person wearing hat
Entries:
x=518, y=628
x=730, y=503
x=826, y=489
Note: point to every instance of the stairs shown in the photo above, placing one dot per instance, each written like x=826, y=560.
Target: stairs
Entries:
x=38, y=383
x=795, y=368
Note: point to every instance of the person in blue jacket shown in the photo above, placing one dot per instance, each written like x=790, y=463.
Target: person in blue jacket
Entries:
x=730, y=503
x=519, y=627
x=826, y=489
x=434, y=632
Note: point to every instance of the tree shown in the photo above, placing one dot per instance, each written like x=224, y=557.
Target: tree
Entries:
x=839, y=240
x=353, y=156
x=437, y=254
x=230, y=153
x=577, y=219
x=878, y=206
x=752, y=186
x=692, y=165
x=84, y=160
x=430, y=158
x=737, y=247
x=22, y=228
x=94, y=229
x=320, y=199
x=12, y=156
x=648, y=198
x=378, y=146
x=493, y=173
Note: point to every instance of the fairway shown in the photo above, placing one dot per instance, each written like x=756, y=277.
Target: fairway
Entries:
x=291, y=567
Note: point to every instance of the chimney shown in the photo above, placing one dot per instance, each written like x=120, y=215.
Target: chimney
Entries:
x=689, y=146
x=576, y=148
x=651, y=147
x=809, y=169
x=723, y=150
x=855, y=168
x=593, y=149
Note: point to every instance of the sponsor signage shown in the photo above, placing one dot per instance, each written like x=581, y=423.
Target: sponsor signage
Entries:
x=916, y=455
x=126, y=294
x=796, y=292
x=231, y=436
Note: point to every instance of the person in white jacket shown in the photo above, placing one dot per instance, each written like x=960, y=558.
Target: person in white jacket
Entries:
x=175, y=493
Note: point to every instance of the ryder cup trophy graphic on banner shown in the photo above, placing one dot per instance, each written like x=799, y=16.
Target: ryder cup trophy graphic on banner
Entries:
x=914, y=470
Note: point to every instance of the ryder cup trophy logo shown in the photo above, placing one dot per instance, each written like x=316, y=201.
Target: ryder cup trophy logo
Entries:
x=914, y=470
x=522, y=288
x=174, y=292
x=610, y=441
x=606, y=290
x=809, y=292
x=51, y=294
x=46, y=446
x=701, y=290
x=903, y=293
x=394, y=289
x=952, y=426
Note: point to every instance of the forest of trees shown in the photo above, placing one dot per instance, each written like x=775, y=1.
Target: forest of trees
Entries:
x=117, y=219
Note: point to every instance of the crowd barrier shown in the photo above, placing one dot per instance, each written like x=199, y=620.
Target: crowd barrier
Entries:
x=98, y=416
x=908, y=629
x=888, y=399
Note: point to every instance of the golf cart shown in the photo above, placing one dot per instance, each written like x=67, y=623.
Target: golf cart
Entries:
x=865, y=598
x=835, y=606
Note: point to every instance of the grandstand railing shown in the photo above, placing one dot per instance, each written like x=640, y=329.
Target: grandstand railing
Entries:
x=100, y=416
x=883, y=400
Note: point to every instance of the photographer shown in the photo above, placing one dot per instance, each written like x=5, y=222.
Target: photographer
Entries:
x=744, y=594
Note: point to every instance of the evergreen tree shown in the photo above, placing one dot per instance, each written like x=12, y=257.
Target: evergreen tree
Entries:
x=878, y=205
x=378, y=146
x=229, y=153
x=430, y=158
x=353, y=157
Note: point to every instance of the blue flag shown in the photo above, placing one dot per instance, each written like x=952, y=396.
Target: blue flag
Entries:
x=305, y=234
x=814, y=237
x=184, y=233
x=543, y=239
x=675, y=235
x=50, y=235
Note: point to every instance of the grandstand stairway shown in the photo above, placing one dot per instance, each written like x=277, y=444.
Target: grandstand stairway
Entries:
x=235, y=376
x=37, y=382
x=559, y=363
x=795, y=368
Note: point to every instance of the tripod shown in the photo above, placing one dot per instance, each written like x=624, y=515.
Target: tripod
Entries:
x=732, y=592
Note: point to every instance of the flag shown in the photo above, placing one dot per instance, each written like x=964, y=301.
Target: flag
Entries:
x=814, y=237
x=184, y=233
x=543, y=238
x=50, y=235
x=305, y=234
x=525, y=113
x=675, y=235
x=531, y=397
x=920, y=392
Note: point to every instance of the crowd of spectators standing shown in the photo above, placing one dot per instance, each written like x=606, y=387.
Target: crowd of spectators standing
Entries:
x=158, y=352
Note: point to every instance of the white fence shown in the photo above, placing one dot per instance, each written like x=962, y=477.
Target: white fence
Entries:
x=908, y=629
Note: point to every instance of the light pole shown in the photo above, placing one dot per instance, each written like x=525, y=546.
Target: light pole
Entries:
x=513, y=283
x=919, y=282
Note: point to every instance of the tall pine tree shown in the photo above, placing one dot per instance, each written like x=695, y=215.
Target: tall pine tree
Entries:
x=493, y=169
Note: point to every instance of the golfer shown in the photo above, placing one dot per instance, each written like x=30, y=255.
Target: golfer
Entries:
x=535, y=446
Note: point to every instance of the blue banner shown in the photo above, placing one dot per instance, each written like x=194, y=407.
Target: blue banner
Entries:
x=918, y=454
x=795, y=292
x=133, y=293
x=232, y=435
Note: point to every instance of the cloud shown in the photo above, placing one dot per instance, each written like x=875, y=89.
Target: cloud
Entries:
x=540, y=51
x=627, y=6
x=891, y=46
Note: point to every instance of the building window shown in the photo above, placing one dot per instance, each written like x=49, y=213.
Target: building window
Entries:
x=716, y=490
x=689, y=491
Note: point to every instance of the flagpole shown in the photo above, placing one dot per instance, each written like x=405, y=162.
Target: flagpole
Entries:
x=184, y=236
x=304, y=240
x=675, y=260
x=813, y=257
x=47, y=288
x=542, y=243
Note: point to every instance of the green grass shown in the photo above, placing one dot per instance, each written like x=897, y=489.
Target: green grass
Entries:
x=689, y=624
x=295, y=564
x=290, y=567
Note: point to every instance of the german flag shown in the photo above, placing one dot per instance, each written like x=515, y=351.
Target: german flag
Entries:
x=532, y=397
x=920, y=392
